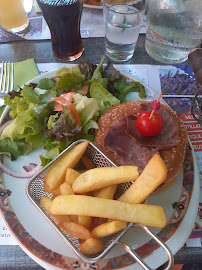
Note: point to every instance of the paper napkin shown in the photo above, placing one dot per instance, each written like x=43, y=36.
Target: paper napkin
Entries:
x=24, y=71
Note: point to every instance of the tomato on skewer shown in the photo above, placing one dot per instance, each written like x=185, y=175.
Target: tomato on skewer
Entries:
x=149, y=126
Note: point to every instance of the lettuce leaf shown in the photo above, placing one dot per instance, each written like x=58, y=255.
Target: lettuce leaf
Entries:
x=29, y=95
x=41, y=111
x=37, y=95
x=97, y=75
x=14, y=149
x=52, y=120
x=88, y=111
x=112, y=76
x=104, y=99
x=87, y=69
x=90, y=125
x=65, y=70
x=86, y=107
x=16, y=105
x=111, y=73
x=26, y=128
x=71, y=78
x=46, y=83
x=15, y=131
x=30, y=111
x=62, y=125
x=124, y=88
x=53, y=148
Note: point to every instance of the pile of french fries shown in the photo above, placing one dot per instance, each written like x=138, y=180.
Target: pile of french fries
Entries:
x=81, y=196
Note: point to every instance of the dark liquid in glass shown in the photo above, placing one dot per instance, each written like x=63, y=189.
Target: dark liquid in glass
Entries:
x=63, y=19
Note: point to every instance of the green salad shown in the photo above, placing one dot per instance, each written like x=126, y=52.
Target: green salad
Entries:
x=57, y=111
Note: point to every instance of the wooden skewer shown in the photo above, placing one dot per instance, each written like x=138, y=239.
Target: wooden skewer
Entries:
x=159, y=96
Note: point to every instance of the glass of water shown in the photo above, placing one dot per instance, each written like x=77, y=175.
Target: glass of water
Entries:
x=174, y=28
x=122, y=20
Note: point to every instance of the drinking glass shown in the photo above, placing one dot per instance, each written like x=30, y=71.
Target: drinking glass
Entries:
x=13, y=17
x=63, y=18
x=122, y=20
x=174, y=28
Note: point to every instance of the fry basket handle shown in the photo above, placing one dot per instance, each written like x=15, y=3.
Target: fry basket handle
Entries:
x=158, y=240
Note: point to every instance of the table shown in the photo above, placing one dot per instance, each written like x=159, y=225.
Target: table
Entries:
x=94, y=49
x=12, y=257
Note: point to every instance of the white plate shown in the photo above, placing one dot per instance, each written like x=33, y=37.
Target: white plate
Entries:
x=42, y=243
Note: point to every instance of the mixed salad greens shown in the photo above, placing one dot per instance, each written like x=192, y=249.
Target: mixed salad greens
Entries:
x=57, y=111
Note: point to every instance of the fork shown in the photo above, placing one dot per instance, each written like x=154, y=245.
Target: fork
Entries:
x=6, y=78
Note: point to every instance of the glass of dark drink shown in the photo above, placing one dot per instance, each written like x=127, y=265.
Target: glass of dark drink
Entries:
x=63, y=18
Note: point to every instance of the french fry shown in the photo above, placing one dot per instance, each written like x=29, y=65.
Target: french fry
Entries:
x=152, y=176
x=85, y=221
x=66, y=189
x=88, y=163
x=102, y=177
x=81, y=171
x=108, y=228
x=149, y=215
x=56, y=173
x=74, y=218
x=71, y=175
x=106, y=192
x=61, y=218
x=55, y=192
x=46, y=202
x=91, y=246
x=75, y=230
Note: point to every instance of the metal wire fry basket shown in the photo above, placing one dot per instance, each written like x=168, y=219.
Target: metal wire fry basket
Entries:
x=35, y=191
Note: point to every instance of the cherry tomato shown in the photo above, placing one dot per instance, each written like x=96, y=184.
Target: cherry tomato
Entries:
x=147, y=126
